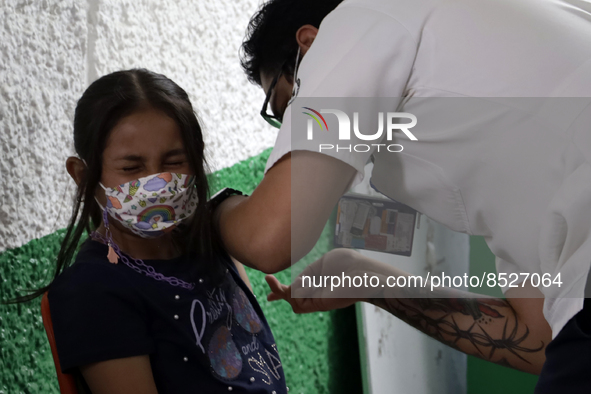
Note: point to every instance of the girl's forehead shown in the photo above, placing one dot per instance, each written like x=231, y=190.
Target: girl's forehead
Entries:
x=148, y=131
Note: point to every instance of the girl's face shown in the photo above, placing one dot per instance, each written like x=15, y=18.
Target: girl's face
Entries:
x=144, y=143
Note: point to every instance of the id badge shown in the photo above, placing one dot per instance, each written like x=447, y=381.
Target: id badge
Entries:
x=374, y=223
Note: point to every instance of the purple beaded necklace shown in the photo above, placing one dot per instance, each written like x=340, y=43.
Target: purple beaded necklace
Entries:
x=137, y=265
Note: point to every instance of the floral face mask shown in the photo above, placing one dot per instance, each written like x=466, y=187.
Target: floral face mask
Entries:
x=153, y=205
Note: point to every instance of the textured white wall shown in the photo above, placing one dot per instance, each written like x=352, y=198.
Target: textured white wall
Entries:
x=195, y=43
x=51, y=50
x=42, y=73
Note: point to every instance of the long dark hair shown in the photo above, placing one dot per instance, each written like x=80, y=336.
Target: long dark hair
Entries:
x=106, y=101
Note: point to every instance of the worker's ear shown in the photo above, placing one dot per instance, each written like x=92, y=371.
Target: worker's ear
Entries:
x=305, y=37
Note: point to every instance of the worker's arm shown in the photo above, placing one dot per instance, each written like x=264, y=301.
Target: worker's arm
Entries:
x=120, y=376
x=284, y=217
x=511, y=332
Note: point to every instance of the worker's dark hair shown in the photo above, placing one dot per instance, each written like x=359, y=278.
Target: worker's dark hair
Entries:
x=270, y=38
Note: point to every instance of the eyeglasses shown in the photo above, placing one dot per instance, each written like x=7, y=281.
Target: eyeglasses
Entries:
x=273, y=120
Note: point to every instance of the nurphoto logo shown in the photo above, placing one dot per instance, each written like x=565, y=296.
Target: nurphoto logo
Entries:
x=391, y=119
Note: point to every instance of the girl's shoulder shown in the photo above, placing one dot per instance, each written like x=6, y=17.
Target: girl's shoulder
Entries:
x=91, y=285
x=97, y=313
x=91, y=271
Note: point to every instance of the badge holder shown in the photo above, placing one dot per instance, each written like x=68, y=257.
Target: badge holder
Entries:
x=374, y=223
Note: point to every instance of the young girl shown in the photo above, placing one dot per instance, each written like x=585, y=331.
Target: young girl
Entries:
x=152, y=303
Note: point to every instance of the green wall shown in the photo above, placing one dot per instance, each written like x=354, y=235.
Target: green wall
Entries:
x=485, y=377
x=319, y=351
x=26, y=365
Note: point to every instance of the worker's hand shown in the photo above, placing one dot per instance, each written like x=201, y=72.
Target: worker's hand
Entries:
x=311, y=304
x=304, y=297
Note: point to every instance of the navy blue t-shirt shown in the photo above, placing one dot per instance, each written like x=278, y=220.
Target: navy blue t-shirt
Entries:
x=211, y=339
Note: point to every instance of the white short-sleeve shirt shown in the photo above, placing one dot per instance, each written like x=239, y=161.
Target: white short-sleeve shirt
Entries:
x=527, y=192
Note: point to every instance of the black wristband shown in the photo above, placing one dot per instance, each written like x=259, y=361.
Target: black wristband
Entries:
x=220, y=196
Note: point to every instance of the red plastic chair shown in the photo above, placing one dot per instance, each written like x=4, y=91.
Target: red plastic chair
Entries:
x=67, y=382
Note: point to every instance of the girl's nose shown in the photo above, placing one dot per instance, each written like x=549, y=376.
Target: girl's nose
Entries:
x=154, y=168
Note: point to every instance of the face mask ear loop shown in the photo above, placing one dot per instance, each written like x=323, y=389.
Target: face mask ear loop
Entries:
x=296, y=81
x=296, y=68
x=111, y=255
